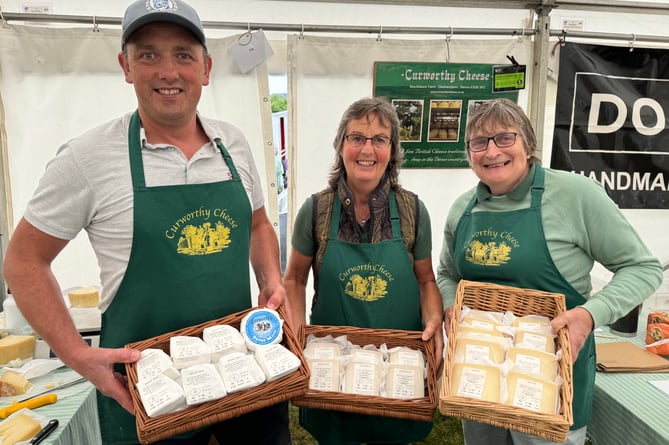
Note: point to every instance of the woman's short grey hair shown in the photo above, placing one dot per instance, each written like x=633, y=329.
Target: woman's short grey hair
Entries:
x=491, y=114
x=384, y=111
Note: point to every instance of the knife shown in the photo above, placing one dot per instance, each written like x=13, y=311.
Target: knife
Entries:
x=34, y=402
x=55, y=388
x=41, y=435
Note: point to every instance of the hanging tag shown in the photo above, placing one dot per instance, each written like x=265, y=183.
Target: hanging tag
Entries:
x=251, y=49
x=508, y=77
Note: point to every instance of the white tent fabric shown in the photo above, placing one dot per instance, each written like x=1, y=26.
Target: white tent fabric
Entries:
x=58, y=82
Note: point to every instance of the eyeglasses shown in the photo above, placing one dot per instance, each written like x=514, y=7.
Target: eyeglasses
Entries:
x=502, y=140
x=359, y=141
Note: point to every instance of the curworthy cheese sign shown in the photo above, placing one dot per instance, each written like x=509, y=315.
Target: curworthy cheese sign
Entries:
x=611, y=121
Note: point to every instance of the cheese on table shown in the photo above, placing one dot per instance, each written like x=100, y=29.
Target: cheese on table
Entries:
x=13, y=384
x=532, y=392
x=239, y=371
x=477, y=350
x=362, y=378
x=223, y=339
x=276, y=361
x=533, y=361
x=324, y=374
x=18, y=428
x=261, y=327
x=541, y=341
x=155, y=361
x=188, y=351
x=15, y=347
x=405, y=382
x=84, y=297
x=161, y=395
x=202, y=383
x=476, y=381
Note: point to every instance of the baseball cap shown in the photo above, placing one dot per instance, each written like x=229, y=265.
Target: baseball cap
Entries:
x=143, y=12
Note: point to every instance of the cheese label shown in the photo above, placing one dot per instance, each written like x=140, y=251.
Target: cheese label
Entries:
x=262, y=327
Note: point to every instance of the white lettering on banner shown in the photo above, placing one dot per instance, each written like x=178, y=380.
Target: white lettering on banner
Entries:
x=598, y=98
x=635, y=181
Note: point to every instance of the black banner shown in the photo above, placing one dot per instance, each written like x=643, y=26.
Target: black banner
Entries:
x=611, y=121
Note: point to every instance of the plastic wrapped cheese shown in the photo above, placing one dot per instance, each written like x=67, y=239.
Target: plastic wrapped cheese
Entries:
x=362, y=378
x=533, y=361
x=188, y=351
x=366, y=355
x=239, y=371
x=406, y=356
x=324, y=374
x=161, y=395
x=476, y=381
x=542, y=341
x=479, y=350
x=322, y=350
x=153, y=362
x=531, y=322
x=404, y=382
x=276, y=361
x=261, y=327
x=532, y=392
x=223, y=339
x=202, y=383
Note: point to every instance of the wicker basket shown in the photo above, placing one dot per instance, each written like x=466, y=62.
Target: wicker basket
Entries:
x=422, y=409
x=232, y=405
x=492, y=297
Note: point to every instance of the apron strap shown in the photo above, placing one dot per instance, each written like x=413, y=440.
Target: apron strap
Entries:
x=135, y=148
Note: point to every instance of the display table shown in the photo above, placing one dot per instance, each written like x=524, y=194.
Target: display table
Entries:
x=626, y=408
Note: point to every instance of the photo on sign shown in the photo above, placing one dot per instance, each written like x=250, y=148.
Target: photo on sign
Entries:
x=410, y=114
x=444, y=120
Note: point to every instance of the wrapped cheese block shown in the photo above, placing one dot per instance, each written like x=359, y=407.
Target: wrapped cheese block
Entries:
x=362, y=378
x=479, y=332
x=480, y=322
x=153, y=362
x=532, y=392
x=18, y=428
x=531, y=322
x=239, y=371
x=322, y=350
x=202, y=383
x=84, y=297
x=324, y=374
x=478, y=350
x=276, y=361
x=405, y=382
x=368, y=355
x=476, y=381
x=161, y=395
x=261, y=327
x=13, y=384
x=223, y=339
x=542, y=341
x=15, y=347
x=533, y=361
x=188, y=351
x=406, y=356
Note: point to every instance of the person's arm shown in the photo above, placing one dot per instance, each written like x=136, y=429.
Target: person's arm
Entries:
x=295, y=282
x=430, y=305
x=28, y=273
x=264, y=255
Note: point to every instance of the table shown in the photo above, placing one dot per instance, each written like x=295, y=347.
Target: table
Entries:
x=626, y=409
x=76, y=411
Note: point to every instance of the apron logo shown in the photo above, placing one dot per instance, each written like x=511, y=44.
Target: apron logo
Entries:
x=197, y=235
x=371, y=285
x=490, y=248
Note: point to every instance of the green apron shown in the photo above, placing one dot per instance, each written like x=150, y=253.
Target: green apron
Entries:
x=523, y=261
x=369, y=285
x=187, y=266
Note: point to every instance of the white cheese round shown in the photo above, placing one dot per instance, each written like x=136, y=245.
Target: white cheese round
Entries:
x=261, y=327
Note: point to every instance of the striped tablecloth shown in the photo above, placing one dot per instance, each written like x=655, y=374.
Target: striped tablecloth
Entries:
x=626, y=408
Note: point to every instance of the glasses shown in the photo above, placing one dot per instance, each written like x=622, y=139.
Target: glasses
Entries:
x=359, y=141
x=502, y=140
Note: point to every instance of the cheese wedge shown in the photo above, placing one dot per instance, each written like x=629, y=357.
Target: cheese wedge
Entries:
x=533, y=361
x=188, y=351
x=18, y=428
x=161, y=395
x=407, y=356
x=322, y=350
x=363, y=379
x=324, y=375
x=223, y=339
x=532, y=392
x=276, y=361
x=367, y=356
x=405, y=382
x=531, y=322
x=476, y=381
x=535, y=340
x=15, y=347
x=155, y=361
x=477, y=350
x=202, y=383
x=84, y=297
x=13, y=384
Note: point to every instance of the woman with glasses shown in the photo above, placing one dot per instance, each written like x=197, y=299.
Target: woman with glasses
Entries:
x=369, y=244
x=553, y=225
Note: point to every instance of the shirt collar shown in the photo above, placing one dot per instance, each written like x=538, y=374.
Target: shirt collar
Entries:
x=517, y=194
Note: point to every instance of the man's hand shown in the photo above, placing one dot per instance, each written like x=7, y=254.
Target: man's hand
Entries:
x=579, y=324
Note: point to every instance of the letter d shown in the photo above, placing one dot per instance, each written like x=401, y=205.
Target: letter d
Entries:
x=596, y=101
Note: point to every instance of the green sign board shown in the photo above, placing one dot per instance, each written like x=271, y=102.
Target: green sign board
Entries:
x=433, y=101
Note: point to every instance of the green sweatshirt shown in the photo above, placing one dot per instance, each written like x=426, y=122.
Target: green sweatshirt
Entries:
x=582, y=225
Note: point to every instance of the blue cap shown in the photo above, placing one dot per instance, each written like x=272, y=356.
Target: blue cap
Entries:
x=143, y=12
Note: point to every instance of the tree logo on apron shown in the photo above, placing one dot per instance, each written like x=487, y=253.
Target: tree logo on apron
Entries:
x=490, y=248
x=369, y=285
x=196, y=234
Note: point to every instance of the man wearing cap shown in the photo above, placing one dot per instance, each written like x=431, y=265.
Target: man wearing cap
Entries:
x=173, y=206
